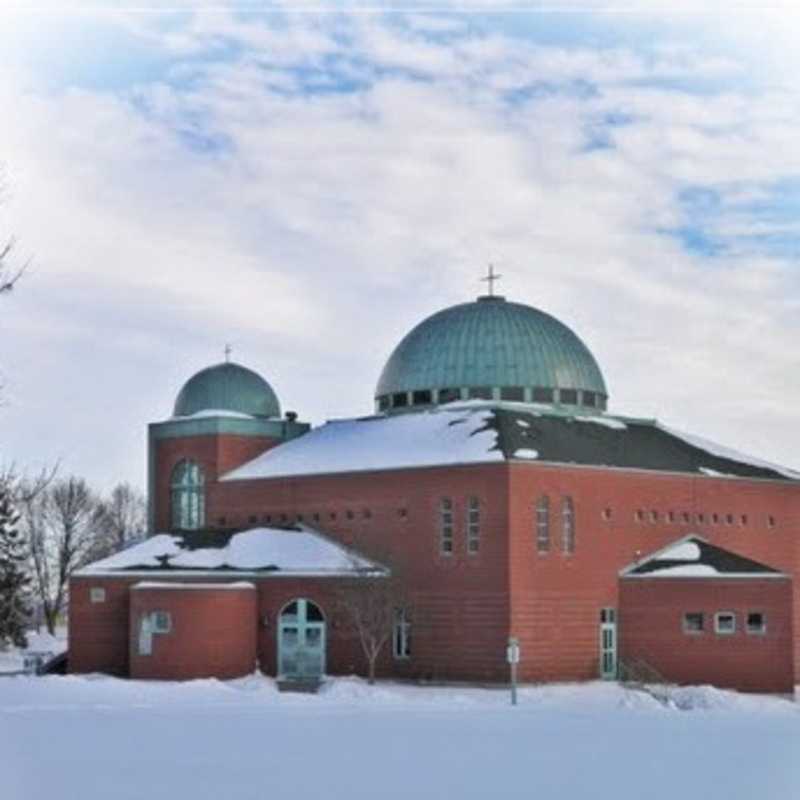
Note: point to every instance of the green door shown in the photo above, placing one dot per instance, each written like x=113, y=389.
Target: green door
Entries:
x=301, y=642
x=608, y=644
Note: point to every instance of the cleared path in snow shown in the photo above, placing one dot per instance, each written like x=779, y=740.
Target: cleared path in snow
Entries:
x=105, y=739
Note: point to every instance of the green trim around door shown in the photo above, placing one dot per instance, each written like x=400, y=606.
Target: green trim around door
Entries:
x=301, y=641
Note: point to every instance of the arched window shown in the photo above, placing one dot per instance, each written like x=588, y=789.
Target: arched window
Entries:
x=187, y=496
x=543, y=524
x=567, y=525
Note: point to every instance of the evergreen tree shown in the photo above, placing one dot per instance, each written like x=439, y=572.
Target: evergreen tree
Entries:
x=14, y=578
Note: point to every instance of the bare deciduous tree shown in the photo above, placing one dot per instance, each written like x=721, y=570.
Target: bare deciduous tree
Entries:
x=8, y=274
x=373, y=602
x=60, y=523
x=121, y=519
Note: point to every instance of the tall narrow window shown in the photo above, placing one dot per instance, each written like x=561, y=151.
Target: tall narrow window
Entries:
x=567, y=525
x=401, y=634
x=187, y=496
x=446, y=526
x=543, y=524
x=473, y=525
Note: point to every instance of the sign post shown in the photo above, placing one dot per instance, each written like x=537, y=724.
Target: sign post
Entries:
x=512, y=656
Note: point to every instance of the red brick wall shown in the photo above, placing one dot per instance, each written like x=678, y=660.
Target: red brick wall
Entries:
x=213, y=633
x=459, y=602
x=98, y=632
x=465, y=606
x=343, y=656
x=216, y=454
x=556, y=598
x=216, y=632
x=651, y=628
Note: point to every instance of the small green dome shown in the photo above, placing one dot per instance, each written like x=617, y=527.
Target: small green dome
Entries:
x=491, y=349
x=227, y=387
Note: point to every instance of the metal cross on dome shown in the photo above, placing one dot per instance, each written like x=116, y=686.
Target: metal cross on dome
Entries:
x=490, y=278
x=228, y=351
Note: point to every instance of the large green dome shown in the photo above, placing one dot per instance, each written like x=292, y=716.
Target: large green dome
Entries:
x=227, y=387
x=491, y=349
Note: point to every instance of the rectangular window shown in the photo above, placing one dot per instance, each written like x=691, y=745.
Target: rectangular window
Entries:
x=473, y=525
x=543, y=524
x=567, y=525
x=161, y=622
x=446, y=526
x=568, y=396
x=448, y=395
x=512, y=393
x=422, y=397
x=725, y=622
x=97, y=594
x=542, y=394
x=401, y=635
x=756, y=622
x=400, y=399
x=589, y=399
x=480, y=392
x=608, y=615
x=693, y=622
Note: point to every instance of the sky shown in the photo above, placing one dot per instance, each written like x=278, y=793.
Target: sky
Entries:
x=309, y=181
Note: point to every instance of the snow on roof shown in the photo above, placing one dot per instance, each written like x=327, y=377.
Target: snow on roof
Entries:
x=236, y=585
x=694, y=557
x=300, y=550
x=603, y=419
x=526, y=452
x=215, y=412
x=682, y=551
x=686, y=571
x=727, y=453
x=447, y=435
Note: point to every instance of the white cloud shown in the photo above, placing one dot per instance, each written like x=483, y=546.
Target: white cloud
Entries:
x=326, y=224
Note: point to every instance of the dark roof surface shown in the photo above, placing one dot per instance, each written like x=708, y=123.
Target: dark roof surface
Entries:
x=607, y=441
x=721, y=561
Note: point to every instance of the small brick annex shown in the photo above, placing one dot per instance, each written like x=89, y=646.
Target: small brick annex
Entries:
x=652, y=630
x=217, y=630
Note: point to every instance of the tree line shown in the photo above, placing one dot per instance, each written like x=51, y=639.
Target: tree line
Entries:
x=50, y=527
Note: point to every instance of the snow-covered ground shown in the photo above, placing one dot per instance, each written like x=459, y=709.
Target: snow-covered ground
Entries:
x=99, y=738
x=12, y=658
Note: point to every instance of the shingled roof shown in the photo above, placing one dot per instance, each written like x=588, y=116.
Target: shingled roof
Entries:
x=484, y=432
x=604, y=440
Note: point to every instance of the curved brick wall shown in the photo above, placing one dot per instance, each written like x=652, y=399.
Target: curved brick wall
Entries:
x=213, y=631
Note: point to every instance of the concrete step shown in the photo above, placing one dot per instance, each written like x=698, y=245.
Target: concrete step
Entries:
x=302, y=685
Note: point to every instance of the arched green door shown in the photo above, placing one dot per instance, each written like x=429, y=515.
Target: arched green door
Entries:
x=301, y=641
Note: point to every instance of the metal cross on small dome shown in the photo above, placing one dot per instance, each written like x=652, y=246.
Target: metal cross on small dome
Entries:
x=228, y=351
x=490, y=278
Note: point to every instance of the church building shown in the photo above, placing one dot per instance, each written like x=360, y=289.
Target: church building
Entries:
x=493, y=482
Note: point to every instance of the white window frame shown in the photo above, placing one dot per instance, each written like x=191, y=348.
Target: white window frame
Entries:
x=717, y=616
x=543, y=524
x=694, y=631
x=97, y=594
x=473, y=525
x=401, y=635
x=567, y=525
x=446, y=526
x=755, y=632
x=159, y=617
